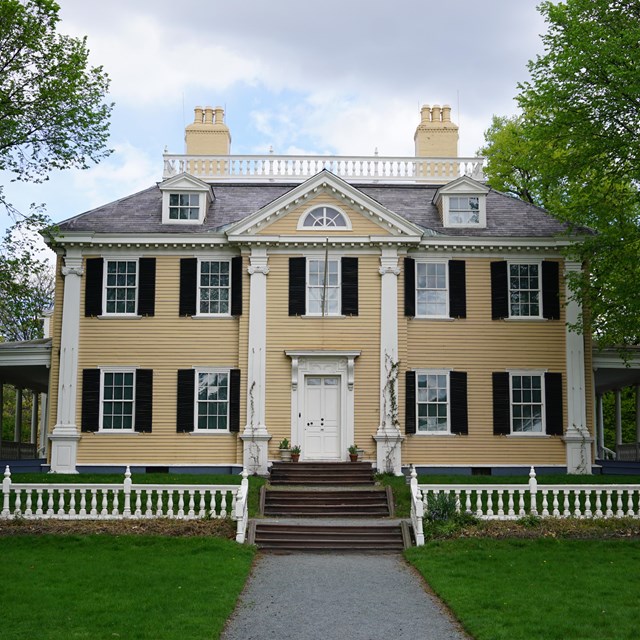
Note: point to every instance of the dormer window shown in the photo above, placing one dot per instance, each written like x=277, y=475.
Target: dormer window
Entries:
x=464, y=210
x=185, y=200
x=324, y=218
x=463, y=204
x=184, y=206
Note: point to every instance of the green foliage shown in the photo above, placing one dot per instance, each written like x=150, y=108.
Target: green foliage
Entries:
x=530, y=521
x=120, y=586
x=576, y=151
x=440, y=506
x=52, y=109
x=520, y=589
x=628, y=407
x=284, y=444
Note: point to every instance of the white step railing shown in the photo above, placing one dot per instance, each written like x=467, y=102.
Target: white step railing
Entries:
x=91, y=501
x=513, y=501
x=272, y=168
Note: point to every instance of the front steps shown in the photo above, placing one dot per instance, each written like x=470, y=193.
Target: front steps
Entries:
x=321, y=473
x=322, y=507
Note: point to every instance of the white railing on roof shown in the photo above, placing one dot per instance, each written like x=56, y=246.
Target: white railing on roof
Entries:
x=513, y=501
x=92, y=501
x=276, y=168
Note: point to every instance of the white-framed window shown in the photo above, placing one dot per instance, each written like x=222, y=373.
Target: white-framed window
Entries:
x=432, y=289
x=121, y=286
x=214, y=287
x=117, y=399
x=527, y=392
x=212, y=400
x=324, y=217
x=525, y=290
x=464, y=210
x=184, y=206
x=323, y=287
x=432, y=401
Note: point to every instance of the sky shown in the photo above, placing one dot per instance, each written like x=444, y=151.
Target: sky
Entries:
x=341, y=77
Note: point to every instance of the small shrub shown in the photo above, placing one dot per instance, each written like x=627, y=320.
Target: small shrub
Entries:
x=440, y=507
x=530, y=521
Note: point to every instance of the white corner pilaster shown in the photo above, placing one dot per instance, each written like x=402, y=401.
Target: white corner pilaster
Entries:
x=577, y=438
x=64, y=437
x=255, y=436
x=388, y=437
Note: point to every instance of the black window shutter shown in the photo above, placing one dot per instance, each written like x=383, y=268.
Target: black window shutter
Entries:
x=146, y=286
x=188, y=286
x=186, y=395
x=93, y=287
x=501, y=404
x=457, y=289
x=410, y=402
x=499, y=291
x=349, y=286
x=458, y=402
x=236, y=286
x=553, y=403
x=90, y=399
x=144, y=400
x=550, y=290
x=409, y=287
x=234, y=400
x=297, y=286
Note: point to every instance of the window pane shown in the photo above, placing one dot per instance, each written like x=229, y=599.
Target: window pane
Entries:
x=431, y=289
x=432, y=399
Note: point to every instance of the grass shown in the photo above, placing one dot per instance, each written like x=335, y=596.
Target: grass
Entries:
x=134, y=587
x=536, y=589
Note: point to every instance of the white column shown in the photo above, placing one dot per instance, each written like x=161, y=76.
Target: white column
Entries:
x=17, y=427
x=44, y=423
x=637, y=411
x=600, y=423
x=577, y=438
x=255, y=436
x=34, y=417
x=388, y=437
x=64, y=437
x=618, y=393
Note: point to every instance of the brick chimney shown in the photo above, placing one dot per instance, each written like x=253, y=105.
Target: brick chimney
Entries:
x=436, y=136
x=208, y=135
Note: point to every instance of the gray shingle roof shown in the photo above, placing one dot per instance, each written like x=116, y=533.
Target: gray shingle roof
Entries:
x=142, y=212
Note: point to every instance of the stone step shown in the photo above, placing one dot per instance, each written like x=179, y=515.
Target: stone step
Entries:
x=328, y=473
x=326, y=503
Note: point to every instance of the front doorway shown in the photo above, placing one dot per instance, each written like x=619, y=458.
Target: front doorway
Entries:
x=322, y=413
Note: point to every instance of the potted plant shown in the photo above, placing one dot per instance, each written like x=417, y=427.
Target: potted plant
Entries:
x=353, y=453
x=285, y=450
x=295, y=453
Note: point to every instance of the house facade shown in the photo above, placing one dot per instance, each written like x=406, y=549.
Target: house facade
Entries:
x=394, y=303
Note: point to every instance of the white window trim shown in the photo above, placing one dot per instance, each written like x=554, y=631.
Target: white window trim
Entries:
x=438, y=372
x=306, y=286
x=540, y=315
x=202, y=204
x=116, y=369
x=528, y=434
x=482, y=211
x=303, y=217
x=198, y=371
x=105, y=313
x=444, y=261
x=212, y=315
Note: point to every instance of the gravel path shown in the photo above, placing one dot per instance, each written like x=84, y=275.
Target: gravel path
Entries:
x=326, y=597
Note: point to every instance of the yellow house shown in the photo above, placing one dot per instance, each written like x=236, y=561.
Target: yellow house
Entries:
x=394, y=303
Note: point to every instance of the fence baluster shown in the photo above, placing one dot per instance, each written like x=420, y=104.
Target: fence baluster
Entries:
x=500, y=504
x=545, y=503
x=138, y=511
x=511, y=513
x=191, y=513
x=630, y=512
x=556, y=510
x=598, y=503
x=619, y=511
x=170, y=513
x=61, y=502
x=38, y=502
x=149, y=510
x=609, y=512
x=159, y=506
x=489, y=502
x=566, y=513
x=587, y=504
x=83, y=502
x=72, y=503
x=223, y=504
x=27, y=506
x=180, y=503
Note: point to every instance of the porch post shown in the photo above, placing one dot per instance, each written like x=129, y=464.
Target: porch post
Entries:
x=637, y=411
x=600, y=419
x=1, y=414
x=577, y=438
x=17, y=431
x=44, y=419
x=34, y=417
x=388, y=437
x=255, y=436
x=618, y=416
x=64, y=437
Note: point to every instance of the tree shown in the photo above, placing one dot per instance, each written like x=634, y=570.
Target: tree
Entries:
x=52, y=109
x=576, y=151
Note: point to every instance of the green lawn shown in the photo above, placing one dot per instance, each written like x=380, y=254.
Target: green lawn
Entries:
x=537, y=589
x=133, y=587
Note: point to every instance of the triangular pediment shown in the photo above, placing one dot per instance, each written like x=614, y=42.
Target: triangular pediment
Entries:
x=184, y=182
x=463, y=185
x=327, y=189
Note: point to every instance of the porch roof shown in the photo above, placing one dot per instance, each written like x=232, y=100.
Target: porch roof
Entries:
x=610, y=372
x=26, y=364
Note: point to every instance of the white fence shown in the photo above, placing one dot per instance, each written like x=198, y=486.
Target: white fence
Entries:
x=278, y=168
x=513, y=501
x=90, y=501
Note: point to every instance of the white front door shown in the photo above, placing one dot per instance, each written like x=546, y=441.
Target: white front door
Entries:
x=322, y=413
